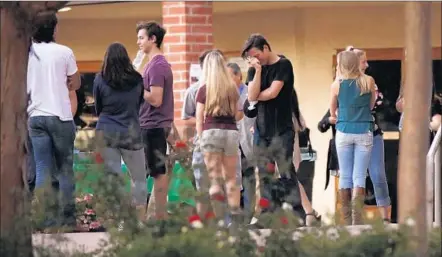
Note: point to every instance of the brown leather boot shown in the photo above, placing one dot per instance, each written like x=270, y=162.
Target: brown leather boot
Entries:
x=345, y=199
x=358, y=205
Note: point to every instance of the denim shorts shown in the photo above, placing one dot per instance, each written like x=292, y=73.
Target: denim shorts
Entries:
x=199, y=168
x=220, y=140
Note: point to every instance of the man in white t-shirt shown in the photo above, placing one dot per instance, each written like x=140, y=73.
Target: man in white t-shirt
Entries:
x=51, y=83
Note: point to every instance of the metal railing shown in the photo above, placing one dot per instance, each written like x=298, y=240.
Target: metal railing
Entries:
x=433, y=177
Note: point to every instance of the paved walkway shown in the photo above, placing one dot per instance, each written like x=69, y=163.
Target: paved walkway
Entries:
x=88, y=242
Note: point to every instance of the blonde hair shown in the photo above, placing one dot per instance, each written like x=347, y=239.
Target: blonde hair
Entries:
x=358, y=52
x=348, y=68
x=221, y=92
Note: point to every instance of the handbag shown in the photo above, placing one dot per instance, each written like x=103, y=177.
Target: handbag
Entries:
x=304, y=140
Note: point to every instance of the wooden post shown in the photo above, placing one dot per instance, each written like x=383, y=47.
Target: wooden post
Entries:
x=417, y=95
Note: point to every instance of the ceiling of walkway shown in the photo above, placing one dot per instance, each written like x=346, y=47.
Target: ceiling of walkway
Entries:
x=142, y=10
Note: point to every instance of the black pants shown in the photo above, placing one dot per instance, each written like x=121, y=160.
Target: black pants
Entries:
x=277, y=150
x=248, y=183
x=155, y=148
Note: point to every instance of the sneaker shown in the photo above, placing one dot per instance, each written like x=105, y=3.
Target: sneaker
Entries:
x=254, y=224
x=253, y=221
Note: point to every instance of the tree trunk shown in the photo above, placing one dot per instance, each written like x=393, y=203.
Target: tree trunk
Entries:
x=17, y=19
x=417, y=95
x=14, y=61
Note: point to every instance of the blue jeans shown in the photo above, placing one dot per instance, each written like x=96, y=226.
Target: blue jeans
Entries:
x=30, y=162
x=354, y=153
x=376, y=170
x=52, y=146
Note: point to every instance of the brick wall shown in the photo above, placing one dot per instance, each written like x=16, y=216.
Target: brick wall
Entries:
x=189, y=32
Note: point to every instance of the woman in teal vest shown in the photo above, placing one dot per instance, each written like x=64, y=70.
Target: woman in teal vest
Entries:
x=356, y=95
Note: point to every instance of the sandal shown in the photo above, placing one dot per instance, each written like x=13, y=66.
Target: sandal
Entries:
x=312, y=218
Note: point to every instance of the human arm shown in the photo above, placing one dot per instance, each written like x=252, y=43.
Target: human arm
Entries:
x=283, y=74
x=154, y=88
x=155, y=96
x=199, y=119
x=253, y=80
x=379, y=105
x=435, y=122
x=199, y=115
x=436, y=111
x=302, y=124
x=334, y=99
x=97, y=97
x=73, y=76
x=271, y=92
x=374, y=97
x=74, y=102
x=239, y=115
x=240, y=105
x=138, y=59
x=400, y=103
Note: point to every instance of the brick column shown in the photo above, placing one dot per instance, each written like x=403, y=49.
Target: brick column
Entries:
x=189, y=32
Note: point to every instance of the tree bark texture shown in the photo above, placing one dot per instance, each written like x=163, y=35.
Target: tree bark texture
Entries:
x=414, y=143
x=17, y=19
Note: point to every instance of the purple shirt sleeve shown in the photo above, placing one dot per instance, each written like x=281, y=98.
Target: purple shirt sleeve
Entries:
x=154, y=77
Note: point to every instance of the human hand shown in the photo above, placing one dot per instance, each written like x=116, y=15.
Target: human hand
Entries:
x=254, y=62
x=252, y=130
x=435, y=122
x=332, y=120
x=138, y=59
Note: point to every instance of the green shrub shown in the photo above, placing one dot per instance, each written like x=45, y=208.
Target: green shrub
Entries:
x=174, y=237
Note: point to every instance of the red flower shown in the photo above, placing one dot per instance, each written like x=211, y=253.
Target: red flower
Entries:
x=180, y=144
x=87, y=198
x=89, y=212
x=94, y=225
x=264, y=203
x=219, y=197
x=210, y=215
x=271, y=167
x=194, y=218
x=284, y=220
x=261, y=249
x=98, y=158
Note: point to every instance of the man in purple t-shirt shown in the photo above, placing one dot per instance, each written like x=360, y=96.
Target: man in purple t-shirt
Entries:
x=156, y=113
